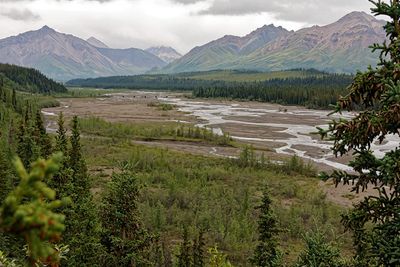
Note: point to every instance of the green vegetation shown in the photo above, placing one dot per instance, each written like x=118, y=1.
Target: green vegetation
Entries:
x=319, y=252
x=250, y=76
x=208, y=193
x=310, y=88
x=167, y=190
x=158, y=207
x=173, y=189
x=161, y=106
x=126, y=240
x=29, y=80
x=76, y=92
x=151, y=131
x=267, y=252
x=28, y=211
x=375, y=221
x=312, y=92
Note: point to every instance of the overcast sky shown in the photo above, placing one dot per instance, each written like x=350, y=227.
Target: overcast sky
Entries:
x=181, y=24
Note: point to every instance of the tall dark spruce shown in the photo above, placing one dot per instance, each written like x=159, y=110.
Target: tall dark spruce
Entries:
x=41, y=137
x=375, y=222
x=267, y=252
x=83, y=228
x=126, y=240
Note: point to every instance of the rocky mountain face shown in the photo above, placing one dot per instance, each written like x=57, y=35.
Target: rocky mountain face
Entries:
x=96, y=42
x=342, y=46
x=63, y=56
x=168, y=54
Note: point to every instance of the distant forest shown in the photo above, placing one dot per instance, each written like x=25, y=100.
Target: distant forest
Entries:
x=309, y=88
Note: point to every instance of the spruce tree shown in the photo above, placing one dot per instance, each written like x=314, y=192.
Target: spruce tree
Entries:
x=375, y=221
x=14, y=100
x=5, y=172
x=126, y=240
x=83, y=226
x=267, y=252
x=77, y=163
x=28, y=211
x=61, y=138
x=62, y=181
x=26, y=148
x=185, y=256
x=199, y=250
x=319, y=253
x=42, y=139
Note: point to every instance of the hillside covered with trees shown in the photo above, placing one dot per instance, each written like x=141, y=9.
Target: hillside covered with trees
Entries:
x=29, y=80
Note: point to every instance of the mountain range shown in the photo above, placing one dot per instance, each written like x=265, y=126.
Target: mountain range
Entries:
x=64, y=56
x=342, y=47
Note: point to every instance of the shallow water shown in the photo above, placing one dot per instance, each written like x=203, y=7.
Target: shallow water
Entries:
x=215, y=114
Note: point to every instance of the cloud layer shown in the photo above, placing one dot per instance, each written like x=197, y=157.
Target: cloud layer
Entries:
x=182, y=24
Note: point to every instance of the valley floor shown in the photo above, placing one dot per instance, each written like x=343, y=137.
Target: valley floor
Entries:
x=200, y=182
x=274, y=130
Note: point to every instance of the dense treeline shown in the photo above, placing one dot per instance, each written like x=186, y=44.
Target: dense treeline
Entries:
x=153, y=82
x=29, y=80
x=316, y=90
x=313, y=92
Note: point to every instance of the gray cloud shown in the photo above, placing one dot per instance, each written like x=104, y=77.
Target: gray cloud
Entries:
x=23, y=15
x=305, y=11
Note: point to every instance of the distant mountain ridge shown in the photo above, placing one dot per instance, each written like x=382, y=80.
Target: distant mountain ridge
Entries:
x=64, y=56
x=166, y=53
x=342, y=46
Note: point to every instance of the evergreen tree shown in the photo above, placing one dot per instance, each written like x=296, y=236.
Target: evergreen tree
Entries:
x=5, y=173
x=185, y=258
x=14, y=100
x=198, y=250
x=42, y=139
x=126, y=240
x=267, y=252
x=28, y=212
x=62, y=181
x=319, y=253
x=26, y=148
x=77, y=162
x=375, y=222
x=61, y=138
x=82, y=234
x=83, y=226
